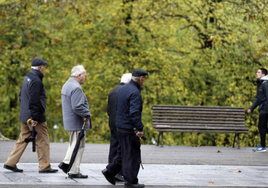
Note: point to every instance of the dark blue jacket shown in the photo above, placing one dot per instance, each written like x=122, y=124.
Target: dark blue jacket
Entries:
x=262, y=96
x=111, y=107
x=129, y=107
x=33, y=98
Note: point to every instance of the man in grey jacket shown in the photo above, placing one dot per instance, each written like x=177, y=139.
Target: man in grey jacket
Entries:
x=75, y=112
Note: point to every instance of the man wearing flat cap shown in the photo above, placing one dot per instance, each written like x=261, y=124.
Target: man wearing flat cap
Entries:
x=33, y=105
x=128, y=119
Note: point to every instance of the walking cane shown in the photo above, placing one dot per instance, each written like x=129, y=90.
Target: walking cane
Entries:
x=32, y=137
x=143, y=138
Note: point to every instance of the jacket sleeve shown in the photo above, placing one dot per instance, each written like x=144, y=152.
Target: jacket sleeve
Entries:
x=257, y=101
x=135, y=111
x=108, y=106
x=35, y=106
x=265, y=89
x=79, y=103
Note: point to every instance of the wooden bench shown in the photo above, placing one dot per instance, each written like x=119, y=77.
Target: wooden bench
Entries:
x=199, y=119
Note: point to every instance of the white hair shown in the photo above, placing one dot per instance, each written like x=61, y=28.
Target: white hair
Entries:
x=76, y=70
x=135, y=78
x=35, y=67
x=126, y=78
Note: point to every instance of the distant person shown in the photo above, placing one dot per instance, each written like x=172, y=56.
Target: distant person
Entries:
x=111, y=111
x=75, y=112
x=262, y=102
x=33, y=105
x=128, y=119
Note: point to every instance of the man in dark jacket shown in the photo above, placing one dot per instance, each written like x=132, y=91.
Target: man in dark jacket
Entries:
x=111, y=111
x=262, y=102
x=33, y=105
x=128, y=119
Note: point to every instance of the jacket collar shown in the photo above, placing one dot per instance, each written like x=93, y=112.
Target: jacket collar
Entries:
x=136, y=84
x=37, y=73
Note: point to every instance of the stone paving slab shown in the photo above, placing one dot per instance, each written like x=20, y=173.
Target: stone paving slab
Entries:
x=151, y=154
x=153, y=175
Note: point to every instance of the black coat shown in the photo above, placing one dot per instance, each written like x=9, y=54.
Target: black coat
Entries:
x=111, y=107
x=129, y=107
x=261, y=97
x=33, y=98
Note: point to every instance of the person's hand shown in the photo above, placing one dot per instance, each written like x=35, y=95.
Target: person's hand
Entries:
x=249, y=111
x=139, y=134
x=34, y=123
x=86, y=118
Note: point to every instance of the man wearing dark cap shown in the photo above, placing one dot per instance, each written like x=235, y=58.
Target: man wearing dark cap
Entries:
x=33, y=105
x=111, y=111
x=128, y=119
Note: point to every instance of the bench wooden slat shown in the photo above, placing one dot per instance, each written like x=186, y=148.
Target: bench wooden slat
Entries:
x=201, y=131
x=198, y=115
x=196, y=107
x=156, y=125
x=198, y=112
x=198, y=122
x=200, y=127
x=155, y=118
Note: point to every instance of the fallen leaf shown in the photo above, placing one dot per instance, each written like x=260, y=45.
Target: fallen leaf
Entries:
x=237, y=171
x=219, y=151
x=210, y=182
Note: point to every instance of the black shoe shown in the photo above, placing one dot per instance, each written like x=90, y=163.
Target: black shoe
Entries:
x=110, y=179
x=134, y=185
x=64, y=167
x=77, y=176
x=119, y=177
x=49, y=171
x=14, y=169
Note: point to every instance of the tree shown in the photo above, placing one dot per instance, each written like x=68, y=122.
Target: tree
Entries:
x=196, y=52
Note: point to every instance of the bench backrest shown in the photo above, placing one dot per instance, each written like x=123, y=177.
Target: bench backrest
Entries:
x=199, y=119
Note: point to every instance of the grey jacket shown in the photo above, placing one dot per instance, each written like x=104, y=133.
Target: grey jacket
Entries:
x=74, y=106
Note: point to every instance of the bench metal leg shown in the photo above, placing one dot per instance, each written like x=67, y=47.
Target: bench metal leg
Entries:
x=234, y=141
x=238, y=144
x=160, y=135
x=162, y=139
x=158, y=139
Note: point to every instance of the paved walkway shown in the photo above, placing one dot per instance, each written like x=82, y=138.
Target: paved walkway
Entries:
x=152, y=175
x=163, y=167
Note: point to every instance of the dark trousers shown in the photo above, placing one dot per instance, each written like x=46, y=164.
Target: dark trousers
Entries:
x=130, y=159
x=114, y=143
x=263, y=119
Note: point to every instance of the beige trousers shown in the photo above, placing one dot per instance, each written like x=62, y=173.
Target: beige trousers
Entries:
x=42, y=146
x=73, y=135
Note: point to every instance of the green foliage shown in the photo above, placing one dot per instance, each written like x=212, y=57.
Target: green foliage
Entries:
x=197, y=53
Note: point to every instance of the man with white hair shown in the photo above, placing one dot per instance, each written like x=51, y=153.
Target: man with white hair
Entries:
x=75, y=112
x=111, y=111
x=33, y=105
x=129, y=128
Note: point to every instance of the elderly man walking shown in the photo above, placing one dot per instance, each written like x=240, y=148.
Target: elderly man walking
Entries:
x=128, y=119
x=111, y=111
x=75, y=112
x=33, y=105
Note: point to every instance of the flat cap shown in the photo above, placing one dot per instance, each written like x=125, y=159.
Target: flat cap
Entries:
x=38, y=62
x=139, y=72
